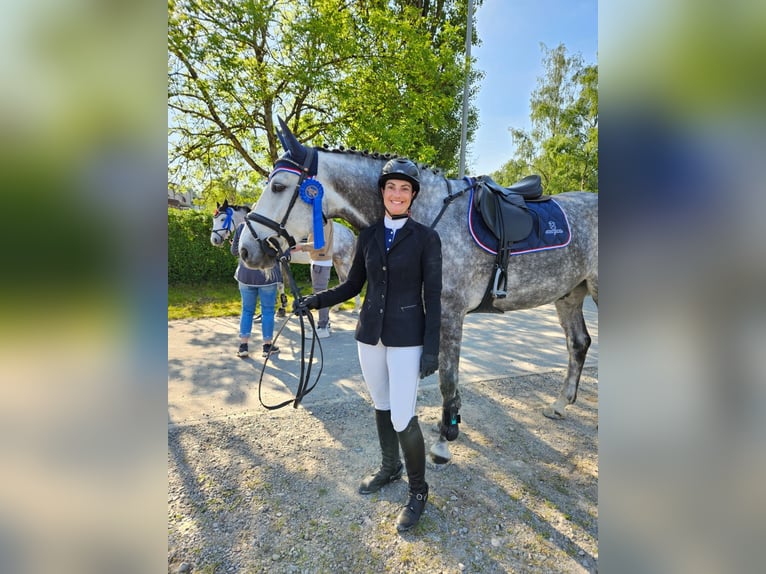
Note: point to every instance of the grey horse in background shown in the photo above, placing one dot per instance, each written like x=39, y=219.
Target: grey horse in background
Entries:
x=349, y=180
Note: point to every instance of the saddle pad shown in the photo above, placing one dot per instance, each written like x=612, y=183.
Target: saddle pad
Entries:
x=550, y=229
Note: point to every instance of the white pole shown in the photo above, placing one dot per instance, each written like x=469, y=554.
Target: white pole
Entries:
x=464, y=127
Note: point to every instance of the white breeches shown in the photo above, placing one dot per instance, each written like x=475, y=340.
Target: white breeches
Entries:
x=392, y=375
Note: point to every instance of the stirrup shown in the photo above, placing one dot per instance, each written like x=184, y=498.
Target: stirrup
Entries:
x=498, y=293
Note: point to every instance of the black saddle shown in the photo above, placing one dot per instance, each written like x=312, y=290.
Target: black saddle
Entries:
x=504, y=209
x=529, y=188
x=505, y=212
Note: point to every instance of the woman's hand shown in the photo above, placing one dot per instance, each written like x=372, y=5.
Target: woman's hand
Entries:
x=428, y=364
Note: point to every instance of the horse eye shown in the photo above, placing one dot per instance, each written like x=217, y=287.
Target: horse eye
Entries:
x=277, y=187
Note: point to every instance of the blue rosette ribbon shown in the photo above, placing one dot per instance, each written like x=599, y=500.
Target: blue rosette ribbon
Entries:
x=311, y=191
x=229, y=218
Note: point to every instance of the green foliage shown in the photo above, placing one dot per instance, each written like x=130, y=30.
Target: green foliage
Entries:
x=384, y=76
x=191, y=256
x=562, y=145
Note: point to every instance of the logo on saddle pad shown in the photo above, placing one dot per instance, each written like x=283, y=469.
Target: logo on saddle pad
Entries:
x=552, y=229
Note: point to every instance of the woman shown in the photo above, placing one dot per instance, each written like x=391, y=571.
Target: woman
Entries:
x=252, y=284
x=398, y=329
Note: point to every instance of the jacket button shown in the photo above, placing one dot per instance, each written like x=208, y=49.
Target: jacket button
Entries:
x=384, y=268
x=381, y=311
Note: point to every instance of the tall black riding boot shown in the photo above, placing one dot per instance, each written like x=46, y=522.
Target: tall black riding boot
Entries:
x=411, y=440
x=391, y=467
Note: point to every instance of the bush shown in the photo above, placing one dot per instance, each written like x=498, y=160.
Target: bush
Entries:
x=191, y=256
x=193, y=259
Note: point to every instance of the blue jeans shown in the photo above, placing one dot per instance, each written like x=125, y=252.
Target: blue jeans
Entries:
x=250, y=295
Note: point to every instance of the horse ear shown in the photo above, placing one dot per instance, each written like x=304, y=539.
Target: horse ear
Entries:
x=225, y=204
x=217, y=205
x=281, y=138
x=289, y=141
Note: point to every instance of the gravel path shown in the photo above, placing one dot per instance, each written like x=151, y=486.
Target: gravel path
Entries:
x=275, y=491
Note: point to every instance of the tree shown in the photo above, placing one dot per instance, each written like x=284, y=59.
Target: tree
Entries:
x=371, y=74
x=562, y=145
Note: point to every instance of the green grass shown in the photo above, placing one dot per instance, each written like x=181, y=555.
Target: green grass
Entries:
x=201, y=300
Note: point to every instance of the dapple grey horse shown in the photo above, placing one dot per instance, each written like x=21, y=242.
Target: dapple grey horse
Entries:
x=349, y=184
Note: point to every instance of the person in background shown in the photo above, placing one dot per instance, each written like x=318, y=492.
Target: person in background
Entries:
x=321, y=265
x=253, y=284
x=398, y=329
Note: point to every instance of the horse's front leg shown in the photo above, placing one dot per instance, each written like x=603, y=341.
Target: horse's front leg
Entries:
x=571, y=318
x=449, y=362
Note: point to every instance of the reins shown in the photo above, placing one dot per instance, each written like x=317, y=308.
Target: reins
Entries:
x=271, y=245
x=306, y=365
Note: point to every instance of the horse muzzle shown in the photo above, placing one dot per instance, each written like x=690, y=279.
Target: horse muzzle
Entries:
x=256, y=253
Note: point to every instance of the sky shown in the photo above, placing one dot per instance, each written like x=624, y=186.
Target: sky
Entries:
x=510, y=57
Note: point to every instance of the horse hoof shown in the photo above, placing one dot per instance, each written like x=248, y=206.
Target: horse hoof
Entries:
x=552, y=414
x=438, y=466
x=439, y=461
x=440, y=454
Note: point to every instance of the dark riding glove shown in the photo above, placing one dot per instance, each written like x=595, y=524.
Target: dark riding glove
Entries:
x=428, y=364
x=304, y=304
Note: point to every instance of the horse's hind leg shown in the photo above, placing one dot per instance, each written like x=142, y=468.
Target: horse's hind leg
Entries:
x=593, y=289
x=569, y=309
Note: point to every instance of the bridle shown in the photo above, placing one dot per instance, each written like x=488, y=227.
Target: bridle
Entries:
x=271, y=246
x=228, y=223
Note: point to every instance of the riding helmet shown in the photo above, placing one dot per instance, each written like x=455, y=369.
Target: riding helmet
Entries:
x=401, y=168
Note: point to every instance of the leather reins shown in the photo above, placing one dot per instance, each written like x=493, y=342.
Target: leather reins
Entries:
x=271, y=246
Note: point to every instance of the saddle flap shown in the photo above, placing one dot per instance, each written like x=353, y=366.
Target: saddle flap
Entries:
x=506, y=215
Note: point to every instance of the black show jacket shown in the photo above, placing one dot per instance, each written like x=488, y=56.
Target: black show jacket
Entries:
x=402, y=307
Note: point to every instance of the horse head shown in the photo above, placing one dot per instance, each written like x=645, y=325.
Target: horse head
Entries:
x=288, y=208
x=226, y=218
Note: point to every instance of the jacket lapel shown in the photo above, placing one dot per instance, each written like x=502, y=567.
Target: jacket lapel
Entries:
x=380, y=237
x=400, y=235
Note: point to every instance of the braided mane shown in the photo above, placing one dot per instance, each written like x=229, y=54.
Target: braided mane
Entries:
x=378, y=155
